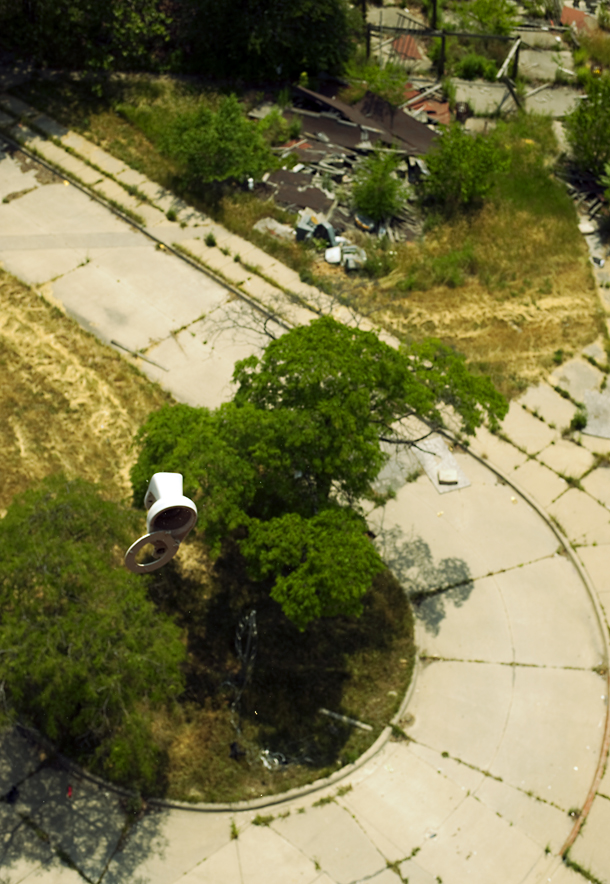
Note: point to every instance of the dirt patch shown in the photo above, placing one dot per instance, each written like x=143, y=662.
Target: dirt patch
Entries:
x=42, y=175
x=67, y=402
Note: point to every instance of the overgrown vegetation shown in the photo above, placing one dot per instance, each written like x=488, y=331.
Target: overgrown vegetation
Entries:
x=86, y=657
x=377, y=192
x=588, y=127
x=287, y=462
x=264, y=40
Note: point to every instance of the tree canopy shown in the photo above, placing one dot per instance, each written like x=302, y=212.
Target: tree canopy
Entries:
x=254, y=39
x=84, y=653
x=299, y=446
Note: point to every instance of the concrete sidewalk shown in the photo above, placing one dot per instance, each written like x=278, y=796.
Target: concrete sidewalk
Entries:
x=508, y=713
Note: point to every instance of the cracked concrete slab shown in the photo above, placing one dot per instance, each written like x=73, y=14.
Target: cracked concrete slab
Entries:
x=540, y=482
x=545, y=748
x=461, y=708
x=527, y=431
x=577, y=377
x=598, y=413
x=564, y=634
x=476, y=629
x=597, y=484
x=164, y=846
x=394, y=818
x=18, y=759
x=549, y=404
x=581, y=518
x=334, y=838
x=544, y=824
x=456, y=854
x=267, y=857
x=567, y=458
x=498, y=452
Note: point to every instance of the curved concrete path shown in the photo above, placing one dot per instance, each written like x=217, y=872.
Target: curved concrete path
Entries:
x=508, y=713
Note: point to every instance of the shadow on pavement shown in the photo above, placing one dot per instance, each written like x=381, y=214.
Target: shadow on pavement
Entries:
x=429, y=585
x=50, y=816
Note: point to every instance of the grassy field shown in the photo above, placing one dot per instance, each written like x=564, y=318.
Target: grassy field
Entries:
x=69, y=403
x=508, y=287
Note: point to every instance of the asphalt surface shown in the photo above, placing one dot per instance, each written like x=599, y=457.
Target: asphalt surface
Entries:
x=507, y=717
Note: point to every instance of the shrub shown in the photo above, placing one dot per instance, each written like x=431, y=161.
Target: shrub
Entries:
x=462, y=170
x=472, y=66
x=377, y=192
x=588, y=126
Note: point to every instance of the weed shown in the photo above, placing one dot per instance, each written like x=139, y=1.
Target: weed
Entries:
x=262, y=820
x=579, y=421
x=237, y=259
x=316, y=863
x=327, y=799
x=210, y=239
x=225, y=251
x=576, y=867
x=343, y=790
x=444, y=755
x=234, y=831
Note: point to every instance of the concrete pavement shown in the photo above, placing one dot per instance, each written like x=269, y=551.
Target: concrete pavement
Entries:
x=507, y=717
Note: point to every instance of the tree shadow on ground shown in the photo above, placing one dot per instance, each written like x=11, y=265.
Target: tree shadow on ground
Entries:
x=275, y=701
x=429, y=585
x=52, y=817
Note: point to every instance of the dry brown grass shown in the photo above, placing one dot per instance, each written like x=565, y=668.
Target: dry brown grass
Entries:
x=530, y=292
x=67, y=402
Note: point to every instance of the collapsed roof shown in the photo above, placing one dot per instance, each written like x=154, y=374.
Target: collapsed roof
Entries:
x=372, y=120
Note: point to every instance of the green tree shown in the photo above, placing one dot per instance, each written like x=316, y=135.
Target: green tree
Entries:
x=218, y=146
x=377, y=192
x=320, y=567
x=86, y=34
x=588, y=127
x=267, y=39
x=489, y=16
x=85, y=654
x=298, y=448
x=463, y=169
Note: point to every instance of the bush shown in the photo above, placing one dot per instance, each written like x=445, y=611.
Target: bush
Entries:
x=588, y=126
x=218, y=146
x=86, y=653
x=462, y=170
x=472, y=66
x=377, y=192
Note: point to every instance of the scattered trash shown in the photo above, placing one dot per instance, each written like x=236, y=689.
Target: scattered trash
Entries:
x=364, y=222
x=274, y=228
x=69, y=792
x=447, y=476
x=345, y=719
x=316, y=226
x=12, y=795
x=353, y=257
x=272, y=760
x=598, y=261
